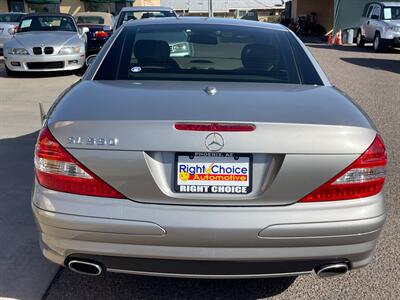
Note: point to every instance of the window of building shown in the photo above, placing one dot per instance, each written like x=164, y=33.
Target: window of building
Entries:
x=16, y=5
x=98, y=6
x=43, y=7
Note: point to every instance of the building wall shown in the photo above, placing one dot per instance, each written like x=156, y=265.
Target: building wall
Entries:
x=147, y=3
x=323, y=8
x=72, y=6
x=3, y=6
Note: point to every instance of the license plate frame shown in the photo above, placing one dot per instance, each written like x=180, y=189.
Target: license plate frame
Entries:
x=210, y=155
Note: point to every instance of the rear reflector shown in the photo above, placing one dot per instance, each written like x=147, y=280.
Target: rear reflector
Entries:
x=58, y=170
x=363, y=178
x=215, y=127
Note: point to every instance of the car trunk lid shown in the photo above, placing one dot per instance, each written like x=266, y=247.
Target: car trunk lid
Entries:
x=304, y=135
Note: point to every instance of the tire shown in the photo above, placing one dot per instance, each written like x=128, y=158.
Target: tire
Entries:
x=360, y=40
x=379, y=44
x=80, y=72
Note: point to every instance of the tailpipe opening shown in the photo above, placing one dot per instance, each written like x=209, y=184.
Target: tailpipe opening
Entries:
x=84, y=267
x=332, y=270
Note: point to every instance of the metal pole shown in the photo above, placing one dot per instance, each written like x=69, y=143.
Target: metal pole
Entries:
x=210, y=9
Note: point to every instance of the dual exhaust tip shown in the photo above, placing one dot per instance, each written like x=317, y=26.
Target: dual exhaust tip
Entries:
x=95, y=269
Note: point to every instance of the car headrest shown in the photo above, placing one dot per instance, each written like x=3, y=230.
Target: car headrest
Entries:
x=152, y=50
x=260, y=57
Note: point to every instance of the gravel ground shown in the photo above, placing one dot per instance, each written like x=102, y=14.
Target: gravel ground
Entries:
x=373, y=81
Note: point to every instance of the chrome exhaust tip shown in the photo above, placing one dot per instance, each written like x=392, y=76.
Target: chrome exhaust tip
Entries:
x=332, y=270
x=84, y=267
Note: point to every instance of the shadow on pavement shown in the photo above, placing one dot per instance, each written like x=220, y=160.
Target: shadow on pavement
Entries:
x=374, y=63
x=69, y=285
x=24, y=273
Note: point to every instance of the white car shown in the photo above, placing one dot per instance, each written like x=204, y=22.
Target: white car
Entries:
x=46, y=42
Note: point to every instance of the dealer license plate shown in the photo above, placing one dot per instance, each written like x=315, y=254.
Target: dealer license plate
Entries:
x=216, y=173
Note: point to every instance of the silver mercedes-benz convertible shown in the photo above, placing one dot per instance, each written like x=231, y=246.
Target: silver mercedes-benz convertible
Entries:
x=239, y=159
x=46, y=42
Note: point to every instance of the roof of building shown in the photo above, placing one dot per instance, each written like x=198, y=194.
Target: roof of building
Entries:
x=201, y=6
x=146, y=8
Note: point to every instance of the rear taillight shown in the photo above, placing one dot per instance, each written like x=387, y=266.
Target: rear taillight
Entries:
x=58, y=170
x=363, y=178
x=101, y=34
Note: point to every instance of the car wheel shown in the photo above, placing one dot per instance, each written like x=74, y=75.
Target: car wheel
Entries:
x=379, y=45
x=360, y=40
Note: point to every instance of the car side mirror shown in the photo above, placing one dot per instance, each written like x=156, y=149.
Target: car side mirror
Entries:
x=85, y=30
x=90, y=60
x=374, y=17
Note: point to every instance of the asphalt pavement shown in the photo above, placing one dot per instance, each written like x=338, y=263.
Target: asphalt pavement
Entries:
x=372, y=80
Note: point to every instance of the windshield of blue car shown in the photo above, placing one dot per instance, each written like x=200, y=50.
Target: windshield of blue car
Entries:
x=139, y=15
x=391, y=13
x=208, y=53
x=10, y=18
x=90, y=20
x=47, y=23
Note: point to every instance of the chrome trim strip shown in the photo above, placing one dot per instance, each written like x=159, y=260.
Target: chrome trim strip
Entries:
x=177, y=275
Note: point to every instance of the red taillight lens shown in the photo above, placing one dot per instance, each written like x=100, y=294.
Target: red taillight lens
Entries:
x=363, y=178
x=215, y=127
x=58, y=170
x=101, y=34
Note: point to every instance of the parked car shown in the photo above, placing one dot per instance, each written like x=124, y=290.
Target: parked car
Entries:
x=46, y=42
x=380, y=24
x=100, y=26
x=240, y=160
x=142, y=12
x=8, y=24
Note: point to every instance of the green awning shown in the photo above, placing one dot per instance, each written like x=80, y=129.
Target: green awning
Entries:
x=44, y=1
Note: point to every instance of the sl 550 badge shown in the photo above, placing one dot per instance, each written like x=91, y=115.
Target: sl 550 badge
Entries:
x=99, y=141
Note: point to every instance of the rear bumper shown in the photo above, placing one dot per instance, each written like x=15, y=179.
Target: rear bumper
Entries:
x=211, y=242
x=37, y=63
x=95, y=45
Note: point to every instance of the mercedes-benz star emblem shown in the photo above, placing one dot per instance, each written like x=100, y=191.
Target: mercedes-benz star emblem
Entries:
x=211, y=91
x=214, y=141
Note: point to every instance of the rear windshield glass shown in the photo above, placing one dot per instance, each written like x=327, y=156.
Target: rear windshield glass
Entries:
x=198, y=52
x=10, y=18
x=47, y=23
x=90, y=20
x=139, y=15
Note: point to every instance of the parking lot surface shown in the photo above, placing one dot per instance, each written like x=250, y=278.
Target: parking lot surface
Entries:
x=372, y=80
